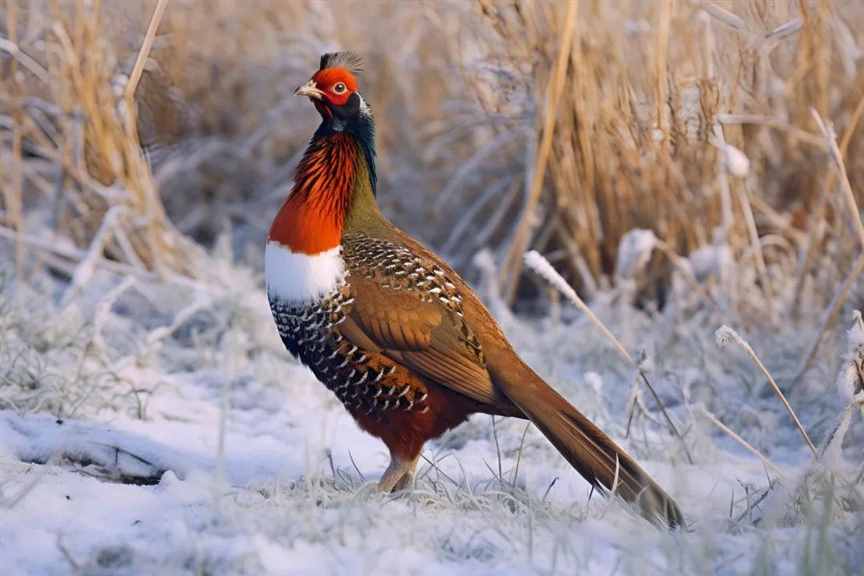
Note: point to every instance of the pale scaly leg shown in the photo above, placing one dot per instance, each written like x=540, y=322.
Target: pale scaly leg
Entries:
x=407, y=480
x=399, y=474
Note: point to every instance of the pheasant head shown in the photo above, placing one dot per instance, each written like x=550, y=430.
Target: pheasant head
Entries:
x=336, y=176
x=333, y=89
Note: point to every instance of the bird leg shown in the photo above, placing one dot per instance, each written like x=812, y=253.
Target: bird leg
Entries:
x=399, y=474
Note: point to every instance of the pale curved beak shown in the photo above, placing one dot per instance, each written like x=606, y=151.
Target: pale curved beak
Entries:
x=309, y=89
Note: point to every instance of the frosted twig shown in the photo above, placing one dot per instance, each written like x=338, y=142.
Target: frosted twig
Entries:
x=831, y=314
x=96, y=342
x=685, y=269
x=636, y=402
x=837, y=156
x=84, y=270
x=851, y=383
x=840, y=297
x=752, y=505
x=157, y=335
x=833, y=442
x=356, y=467
x=519, y=456
x=200, y=302
x=725, y=335
x=497, y=452
x=544, y=269
x=434, y=465
x=716, y=421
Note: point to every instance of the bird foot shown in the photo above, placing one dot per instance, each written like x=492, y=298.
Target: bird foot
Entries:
x=399, y=475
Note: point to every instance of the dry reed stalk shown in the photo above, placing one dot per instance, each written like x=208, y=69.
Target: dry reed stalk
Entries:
x=794, y=132
x=512, y=268
x=144, y=53
x=729, y=160
x=842, y=293
x=608, y=169
x=776, y=219
x=661, y=63
x=723, y=183
x=840, y=165
x=732, y=434
x=810, y=242
x=755, y=242
x=725, y=334
x=806, y=92
x=536, y=262
x=112, y=151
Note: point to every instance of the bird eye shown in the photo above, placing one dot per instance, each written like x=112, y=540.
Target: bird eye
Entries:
x=339, y=88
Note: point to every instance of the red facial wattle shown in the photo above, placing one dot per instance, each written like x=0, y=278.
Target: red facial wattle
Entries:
x=337, y=85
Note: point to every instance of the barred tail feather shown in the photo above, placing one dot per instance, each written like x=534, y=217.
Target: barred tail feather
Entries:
x=587, y=448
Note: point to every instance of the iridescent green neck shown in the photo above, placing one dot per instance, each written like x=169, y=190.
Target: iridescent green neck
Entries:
x=363, y=213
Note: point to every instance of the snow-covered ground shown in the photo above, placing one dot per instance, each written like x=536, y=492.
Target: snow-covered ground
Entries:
x=159, y=428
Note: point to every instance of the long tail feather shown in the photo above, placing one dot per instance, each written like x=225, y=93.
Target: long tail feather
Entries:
x=588, y=449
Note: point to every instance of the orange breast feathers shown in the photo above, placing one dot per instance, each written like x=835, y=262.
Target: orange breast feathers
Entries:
x=311, y=219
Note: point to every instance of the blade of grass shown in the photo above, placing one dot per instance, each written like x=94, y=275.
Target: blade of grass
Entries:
x=725, y=334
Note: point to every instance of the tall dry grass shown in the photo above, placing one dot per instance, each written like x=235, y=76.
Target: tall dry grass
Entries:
x=84, y=158
x=658, y=90
x=636, y=128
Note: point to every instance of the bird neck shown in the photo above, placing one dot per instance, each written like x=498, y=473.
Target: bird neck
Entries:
x=334, y=189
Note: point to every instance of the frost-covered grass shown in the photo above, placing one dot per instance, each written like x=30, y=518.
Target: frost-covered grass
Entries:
x=151, y=422
x=150, y=427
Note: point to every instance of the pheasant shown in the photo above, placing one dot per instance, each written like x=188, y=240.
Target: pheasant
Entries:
x=384, y=323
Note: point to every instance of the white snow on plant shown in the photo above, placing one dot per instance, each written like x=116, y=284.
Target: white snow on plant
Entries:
x=711, y=261
x=735, y=160
x=634, y=252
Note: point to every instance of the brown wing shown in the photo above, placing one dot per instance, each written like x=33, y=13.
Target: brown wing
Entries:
x=422, y=335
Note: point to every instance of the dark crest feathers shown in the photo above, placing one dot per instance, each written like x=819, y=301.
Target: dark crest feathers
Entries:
x=346, y=59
